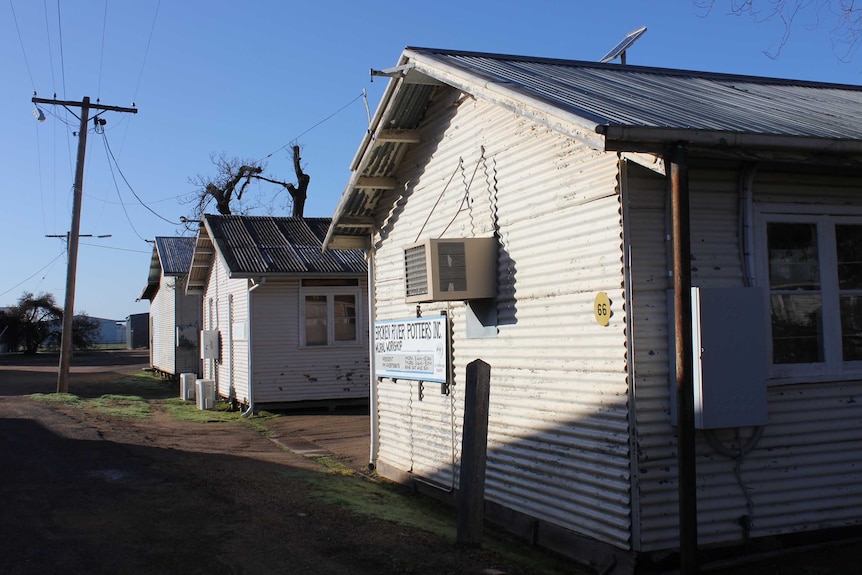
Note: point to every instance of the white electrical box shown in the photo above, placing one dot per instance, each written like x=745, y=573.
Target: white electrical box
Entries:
x=209, y=344
x=729, y=363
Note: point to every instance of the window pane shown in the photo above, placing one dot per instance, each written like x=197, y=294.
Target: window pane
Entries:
x=848, y=243
x=797, y=335
x=315, y=320
x=851, y=327
x=793, y=256
x=345, y=318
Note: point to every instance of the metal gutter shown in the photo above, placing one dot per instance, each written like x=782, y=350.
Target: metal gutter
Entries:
x=640, y=138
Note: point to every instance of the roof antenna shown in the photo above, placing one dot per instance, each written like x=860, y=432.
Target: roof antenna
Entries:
x=620, y=49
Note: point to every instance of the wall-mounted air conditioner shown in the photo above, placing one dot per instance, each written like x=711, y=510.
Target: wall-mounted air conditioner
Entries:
x=451, y=269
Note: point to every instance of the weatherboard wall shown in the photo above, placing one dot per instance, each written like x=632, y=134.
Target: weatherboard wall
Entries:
x=558, y=447
x=162, y=322
x=225, y=306
x=805, y=473
x=284, y=371
x=172, y=313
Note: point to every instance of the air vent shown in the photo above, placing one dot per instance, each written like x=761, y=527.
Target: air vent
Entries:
x=450, y=269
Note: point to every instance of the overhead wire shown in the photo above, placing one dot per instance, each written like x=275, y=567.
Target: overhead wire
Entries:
x=62, y=58
x=21, y=41
x=329, y=117
x=131, y=189
x=146, y=51
x=120, y=196
x=115, y=248
x=102, y=52
x=50, y=49
x=61, y=254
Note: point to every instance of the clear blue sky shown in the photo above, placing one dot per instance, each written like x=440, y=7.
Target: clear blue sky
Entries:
x=249, y=78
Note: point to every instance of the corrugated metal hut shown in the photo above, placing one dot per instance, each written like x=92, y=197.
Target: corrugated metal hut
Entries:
x=175, y=317
x=607, y=189
x=287, y=321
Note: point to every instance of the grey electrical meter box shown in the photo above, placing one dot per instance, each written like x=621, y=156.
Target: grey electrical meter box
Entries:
x=729, y=364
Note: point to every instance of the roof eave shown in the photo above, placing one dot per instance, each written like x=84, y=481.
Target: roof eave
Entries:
x=619, y=138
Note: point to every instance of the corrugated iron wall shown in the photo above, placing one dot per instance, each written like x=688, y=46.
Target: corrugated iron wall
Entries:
x=558, y=438
x=284, y=371
x=806, y=470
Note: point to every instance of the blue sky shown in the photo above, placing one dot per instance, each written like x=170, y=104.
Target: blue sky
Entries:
x=250, y=78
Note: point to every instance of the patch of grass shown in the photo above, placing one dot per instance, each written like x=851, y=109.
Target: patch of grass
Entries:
x=129, y=406
x=62, y=398
x=333, y=464
x=398, y=504
x=188, y=411
x=386, y=501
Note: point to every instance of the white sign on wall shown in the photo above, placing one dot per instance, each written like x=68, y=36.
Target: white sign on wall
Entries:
x=412, y=348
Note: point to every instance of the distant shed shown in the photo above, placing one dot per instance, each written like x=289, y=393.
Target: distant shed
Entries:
x=138, y=331
x=286, y=321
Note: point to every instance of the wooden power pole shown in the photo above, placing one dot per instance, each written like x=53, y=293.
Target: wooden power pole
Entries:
x=72, y=265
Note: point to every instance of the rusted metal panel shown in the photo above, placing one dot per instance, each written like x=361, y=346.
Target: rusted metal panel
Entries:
x=558, y=429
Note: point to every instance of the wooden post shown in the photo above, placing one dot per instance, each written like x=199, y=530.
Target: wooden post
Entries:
x=72, y=247
x=680, y=221
x=474, y=447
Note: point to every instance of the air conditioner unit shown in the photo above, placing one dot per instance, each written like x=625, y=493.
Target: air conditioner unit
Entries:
x=449, y=269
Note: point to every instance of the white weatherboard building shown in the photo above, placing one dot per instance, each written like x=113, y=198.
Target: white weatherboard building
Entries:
x=283, y=322
x=175, y=317
x=586, y=178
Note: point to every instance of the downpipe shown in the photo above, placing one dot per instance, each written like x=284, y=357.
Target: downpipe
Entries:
x=248, y=412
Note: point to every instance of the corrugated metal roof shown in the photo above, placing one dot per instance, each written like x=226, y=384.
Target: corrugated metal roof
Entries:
x=175, y=254
x=613, y=94
x=267, y=245
x=608, y=106
x=172, y=256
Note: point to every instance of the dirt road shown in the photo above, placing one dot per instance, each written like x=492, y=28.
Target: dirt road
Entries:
x=92, y=493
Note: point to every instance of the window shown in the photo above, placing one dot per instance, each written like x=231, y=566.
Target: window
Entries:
x=812, y=264
x=330, y=316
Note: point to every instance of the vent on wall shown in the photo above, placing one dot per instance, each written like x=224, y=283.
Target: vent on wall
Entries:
x=450, y=269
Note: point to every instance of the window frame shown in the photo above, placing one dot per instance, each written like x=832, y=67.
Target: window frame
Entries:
x=825, y=218
x=331, y=292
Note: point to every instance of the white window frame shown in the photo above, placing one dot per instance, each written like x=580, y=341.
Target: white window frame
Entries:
x=330, y=292
x=833, y=368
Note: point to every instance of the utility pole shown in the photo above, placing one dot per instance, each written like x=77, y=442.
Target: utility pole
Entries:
x=72, y=265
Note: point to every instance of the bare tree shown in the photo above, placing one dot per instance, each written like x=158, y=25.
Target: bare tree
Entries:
x=231, y=180
x=844, y=17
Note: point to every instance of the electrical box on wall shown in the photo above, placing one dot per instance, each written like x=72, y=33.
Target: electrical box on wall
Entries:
x=450, y=269
x=729, y=363
x=209, y=344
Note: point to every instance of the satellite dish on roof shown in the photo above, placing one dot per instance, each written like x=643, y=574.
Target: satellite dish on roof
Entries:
x=620, y=49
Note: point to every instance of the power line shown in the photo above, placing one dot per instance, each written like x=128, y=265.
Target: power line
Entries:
x=111, y=154
x=61, y=254
x=21, y=41
x=329, y=117
x=62, y=60
x=115, y=248
x=147, y=50
x=50, y=50
x=102, y=51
